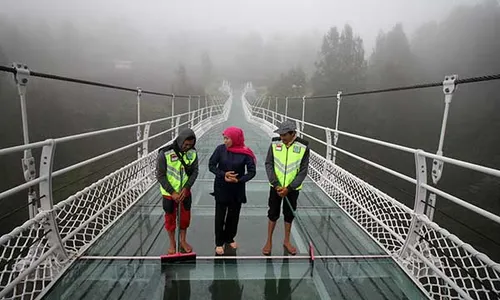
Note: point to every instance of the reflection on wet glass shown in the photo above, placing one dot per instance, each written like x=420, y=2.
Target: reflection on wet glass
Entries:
x=236, y=279
x=140, y=232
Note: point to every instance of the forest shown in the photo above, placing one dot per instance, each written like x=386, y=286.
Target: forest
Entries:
x=307, y=63
x=460, y=44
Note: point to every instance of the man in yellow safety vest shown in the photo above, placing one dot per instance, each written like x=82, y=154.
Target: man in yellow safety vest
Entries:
x=177, y=171
x=286, y=164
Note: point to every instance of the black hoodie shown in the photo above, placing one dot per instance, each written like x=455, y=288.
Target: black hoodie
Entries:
x=162, y=164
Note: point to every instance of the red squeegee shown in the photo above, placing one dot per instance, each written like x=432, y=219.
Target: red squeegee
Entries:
x=178, y=256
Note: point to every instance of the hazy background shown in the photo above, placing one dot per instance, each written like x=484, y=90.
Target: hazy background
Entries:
x=165, y=32
x=152, y=17
x=188, y=47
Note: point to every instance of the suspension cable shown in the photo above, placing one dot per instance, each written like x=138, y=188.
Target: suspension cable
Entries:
x=409, y=87
x=93, y=83
x=399, y=221
x=99, y=170
x=464, y=224
x=411, y=196
x=16, y=210
x=488, y=286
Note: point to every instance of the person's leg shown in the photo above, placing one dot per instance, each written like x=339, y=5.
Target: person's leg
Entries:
x=288, y=213
x=232, y=219
x=273, y=214
x=185, y=222
x=169, y=209
x=220, y=216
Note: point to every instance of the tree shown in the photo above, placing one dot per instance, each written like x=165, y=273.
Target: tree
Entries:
x=3, y=57
x=352, y=60
x=3, y=75
x=207, y=69
x=327, y=63
x=182, y=84
x=247, y=61
x=291, y=84
x=392, y=62
x=341, y=64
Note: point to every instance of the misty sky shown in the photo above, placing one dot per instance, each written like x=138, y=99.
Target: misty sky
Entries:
x=265, y=16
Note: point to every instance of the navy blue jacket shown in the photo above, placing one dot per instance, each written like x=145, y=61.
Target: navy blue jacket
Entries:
x=223, y=161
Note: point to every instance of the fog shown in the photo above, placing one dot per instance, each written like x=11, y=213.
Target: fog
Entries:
x=266, y=17
x=188, y=47
x=169, y=32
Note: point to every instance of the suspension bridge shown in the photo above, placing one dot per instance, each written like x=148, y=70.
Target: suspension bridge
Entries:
x=353, y=240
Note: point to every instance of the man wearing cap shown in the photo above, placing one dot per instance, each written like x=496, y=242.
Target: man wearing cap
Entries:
x=286, y=163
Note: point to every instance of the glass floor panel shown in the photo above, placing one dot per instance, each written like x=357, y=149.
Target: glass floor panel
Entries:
x=334, y=233
x=234, y=279
x=140, y=231
x=258, y=194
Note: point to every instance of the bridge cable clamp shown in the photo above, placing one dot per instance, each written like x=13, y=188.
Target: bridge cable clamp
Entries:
x=449, y=86
x=22, y=77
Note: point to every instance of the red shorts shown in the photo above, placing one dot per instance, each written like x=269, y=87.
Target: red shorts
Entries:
x=170, y=208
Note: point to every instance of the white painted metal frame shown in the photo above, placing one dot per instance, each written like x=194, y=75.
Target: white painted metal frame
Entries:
x=38, y=251
x=398, y=228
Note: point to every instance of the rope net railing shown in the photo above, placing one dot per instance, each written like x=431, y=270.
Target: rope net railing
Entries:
x=37, y=252
x=439, y=261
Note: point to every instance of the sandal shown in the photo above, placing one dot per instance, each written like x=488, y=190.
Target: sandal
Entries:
x=219, y=250
x=290, y=249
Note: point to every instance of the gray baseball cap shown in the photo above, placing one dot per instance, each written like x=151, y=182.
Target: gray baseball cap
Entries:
x=285, y=127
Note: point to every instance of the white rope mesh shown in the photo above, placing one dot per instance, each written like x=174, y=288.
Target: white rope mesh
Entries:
x=362, y=201
x=447, y=259
x=28, y=263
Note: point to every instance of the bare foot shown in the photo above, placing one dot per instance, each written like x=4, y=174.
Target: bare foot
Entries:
x=233, y=245
x=171, y=250
x=187, y=248
x=267, y=249
x=290, y=248
x=219, y=250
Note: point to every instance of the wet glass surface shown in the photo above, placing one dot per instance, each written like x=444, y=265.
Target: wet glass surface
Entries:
x=140, y=232
x=235, y=279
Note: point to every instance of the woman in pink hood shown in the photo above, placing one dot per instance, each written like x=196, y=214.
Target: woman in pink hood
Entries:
x=228, y=163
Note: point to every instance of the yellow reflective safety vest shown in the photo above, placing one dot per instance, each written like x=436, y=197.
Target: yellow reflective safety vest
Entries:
x=287, y=160
x=175, y=173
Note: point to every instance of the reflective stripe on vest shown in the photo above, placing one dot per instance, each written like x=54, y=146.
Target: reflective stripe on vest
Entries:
x=175, y=170
x=287, y=161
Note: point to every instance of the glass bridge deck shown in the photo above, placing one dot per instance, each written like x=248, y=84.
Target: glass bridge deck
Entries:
x=125, y=264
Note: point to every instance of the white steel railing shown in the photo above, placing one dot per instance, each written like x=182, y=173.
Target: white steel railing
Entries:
x=438, y=260
x=36, y=252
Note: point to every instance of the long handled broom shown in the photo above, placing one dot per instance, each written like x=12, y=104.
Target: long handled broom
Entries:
x=178, y=256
